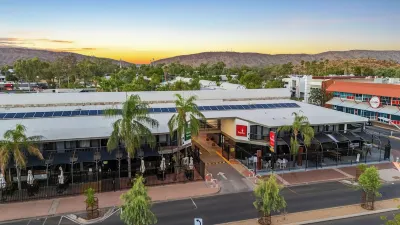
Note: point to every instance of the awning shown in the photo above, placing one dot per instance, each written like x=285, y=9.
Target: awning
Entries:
x=323, y=138
x=334, y=101
x=34, y=161
x=349, y=135
x=62, y=158
x=105, y=155
x=85, y=156
x=388, y=110
x=364, y=136
x=339, y=137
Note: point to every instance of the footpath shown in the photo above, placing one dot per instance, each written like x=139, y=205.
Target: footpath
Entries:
x=73, y=204
x=328, y=214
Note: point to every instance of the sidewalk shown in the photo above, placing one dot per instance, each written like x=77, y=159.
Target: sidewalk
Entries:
x=41, y=208
x=327, y=214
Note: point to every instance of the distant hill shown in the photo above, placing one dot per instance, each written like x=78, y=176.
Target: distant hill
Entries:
x=9, y=55
x=256, y=59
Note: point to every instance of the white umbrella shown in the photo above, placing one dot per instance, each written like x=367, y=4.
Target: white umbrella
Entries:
x=142, y=167
x=30, y=178
x=61, y=176
x=2, y=181
x=162, y=165
x=191, y=163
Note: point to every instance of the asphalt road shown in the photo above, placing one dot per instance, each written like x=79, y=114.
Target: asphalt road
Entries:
x=238, y=206
x=364, y=220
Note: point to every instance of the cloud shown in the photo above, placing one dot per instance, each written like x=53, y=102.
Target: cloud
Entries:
x=12, y=40
x=74, y=49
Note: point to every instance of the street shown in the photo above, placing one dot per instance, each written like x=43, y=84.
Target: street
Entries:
x=364, y=220
x=238, y=206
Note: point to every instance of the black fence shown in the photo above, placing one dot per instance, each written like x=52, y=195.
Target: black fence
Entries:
x=76, y=184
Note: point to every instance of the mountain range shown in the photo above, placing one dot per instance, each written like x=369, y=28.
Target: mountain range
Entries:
x=232, y=59
x=8, y=55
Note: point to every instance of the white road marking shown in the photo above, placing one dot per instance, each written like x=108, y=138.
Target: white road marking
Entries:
x=44, y=221
x=222, y=175
x=193, y=203
x=29, y=222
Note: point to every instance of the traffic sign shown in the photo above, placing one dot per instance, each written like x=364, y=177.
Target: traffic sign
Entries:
x=198, y=221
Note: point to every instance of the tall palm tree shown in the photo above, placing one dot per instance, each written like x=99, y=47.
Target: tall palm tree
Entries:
x=187, y=116
x=14, y=143
x=165, y=70
x=300, y=126
x=131, y=128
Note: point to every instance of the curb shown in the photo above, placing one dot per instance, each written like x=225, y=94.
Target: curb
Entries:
x=394, y=137
x=108, y=207
x=345, y=217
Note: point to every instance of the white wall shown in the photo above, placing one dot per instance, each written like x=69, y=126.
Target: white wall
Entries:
x=228, y=126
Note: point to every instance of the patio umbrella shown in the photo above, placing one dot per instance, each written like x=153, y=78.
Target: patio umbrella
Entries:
x=191, y=163
x=2, y=181
x=142, y=167
x=162, y=165
x=61, y=176
x=30, y=178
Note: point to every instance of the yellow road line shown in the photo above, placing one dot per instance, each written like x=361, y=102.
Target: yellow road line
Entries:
x=223, y=158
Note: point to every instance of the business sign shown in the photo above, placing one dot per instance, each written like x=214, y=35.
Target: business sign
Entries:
x=375, y=102
x=241, y=130
x=272, y=139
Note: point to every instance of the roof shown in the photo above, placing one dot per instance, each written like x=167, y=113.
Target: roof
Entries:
x=363, y=106
x=230, y=86
x=91, y=127
x=388, y=90
x=109, y=98
x=207, y=83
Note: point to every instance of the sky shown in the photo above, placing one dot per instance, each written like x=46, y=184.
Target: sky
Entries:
x=140, y=30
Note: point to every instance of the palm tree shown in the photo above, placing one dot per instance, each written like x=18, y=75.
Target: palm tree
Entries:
x=165, y=70
x=13, y=145
x=300, y=126
x=186, y=109
x=131, y=128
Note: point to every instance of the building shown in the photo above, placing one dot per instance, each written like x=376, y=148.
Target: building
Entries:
x=242, y=123
x=300, y=86
x=375, y=101
x=230, y=86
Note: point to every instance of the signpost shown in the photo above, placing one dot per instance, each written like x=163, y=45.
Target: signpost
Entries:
x=272, y=139
x=198, y=221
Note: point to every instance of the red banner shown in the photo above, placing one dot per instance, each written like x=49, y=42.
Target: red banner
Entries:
x=272, y=139
x=241, y=130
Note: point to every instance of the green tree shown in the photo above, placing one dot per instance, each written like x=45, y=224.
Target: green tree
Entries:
x=251, y=80
x=14, y=144
x=268, y=198
x=319, y=96
x=136, y=206
x=165, y=70
x=69, y=69
x=274, y=84
x=131, y=128
x=394, y=221
x=187, y=115
x=86, y=70
x=369, y=182
x=29, y=69
x=300, y=126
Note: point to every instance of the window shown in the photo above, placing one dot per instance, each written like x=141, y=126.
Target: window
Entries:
x=336, y=94
x=396, y=101
x=366, y=98
x=385, y=100
x=358, y=97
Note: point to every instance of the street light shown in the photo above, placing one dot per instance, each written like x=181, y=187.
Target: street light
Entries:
x=48, y=162
x=119, y=155
x=97, y=157
x=73, y=160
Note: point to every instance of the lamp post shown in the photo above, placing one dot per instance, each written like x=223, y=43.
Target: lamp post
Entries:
x=118, y=155
x=73, y=160
x=48, y=162
x=97, y=157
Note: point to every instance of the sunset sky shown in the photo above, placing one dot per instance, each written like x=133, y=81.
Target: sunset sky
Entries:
x=138, y=31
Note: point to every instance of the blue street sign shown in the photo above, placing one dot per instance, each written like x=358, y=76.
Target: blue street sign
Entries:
x=198, y=221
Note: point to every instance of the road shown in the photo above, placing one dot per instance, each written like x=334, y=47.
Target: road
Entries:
x=364, y=220
x=238, y=206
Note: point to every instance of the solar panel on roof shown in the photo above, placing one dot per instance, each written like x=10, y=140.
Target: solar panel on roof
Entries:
x=76, y=113
x=240, y=107
x=259, y=106
x=48, y=114
x=220, y=107
x=19, y=115
x=233, y=106
x=39, y=114
x=84, y=112
x=66, y=113
x=100, y=112
x=206, y=107
x=214, y=108
x=93, y=112
x=252, y=106
x=164, y=109
x=172, y=109
x=201, y=108
x=9, y=116
x=2, y=115
x=226, y=107
x=57, y=113
x=157, y=110
x=246, y=106
x=29, y=115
